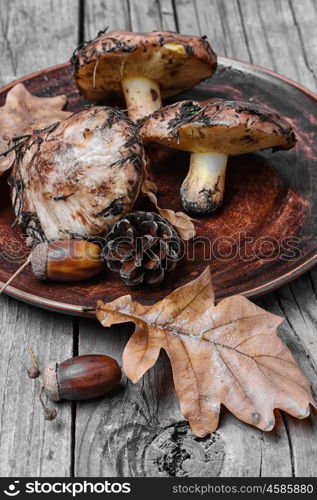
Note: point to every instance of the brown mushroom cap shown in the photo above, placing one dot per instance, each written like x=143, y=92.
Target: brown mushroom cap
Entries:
x=102, y=63
x=227, y=127
x=79, y=176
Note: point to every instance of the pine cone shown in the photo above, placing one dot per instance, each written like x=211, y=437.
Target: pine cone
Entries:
x=142, y=247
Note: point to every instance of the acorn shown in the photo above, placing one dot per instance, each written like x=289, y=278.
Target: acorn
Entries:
x=66, y=260
x=80, y=378
x=33, y=370
x=63, y=260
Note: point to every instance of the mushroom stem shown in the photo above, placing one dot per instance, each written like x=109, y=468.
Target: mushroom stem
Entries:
x=142, y=96
x=202, y=190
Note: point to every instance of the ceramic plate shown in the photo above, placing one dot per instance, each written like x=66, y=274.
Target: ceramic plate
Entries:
x=262, y=237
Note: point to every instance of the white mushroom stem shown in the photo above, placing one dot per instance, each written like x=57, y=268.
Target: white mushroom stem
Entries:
x=202, y=190
x=142, y=96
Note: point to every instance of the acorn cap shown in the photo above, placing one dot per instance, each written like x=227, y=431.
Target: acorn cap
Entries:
x=176, y=62
x=50, y=381
x=226, y=127
x=39, y=261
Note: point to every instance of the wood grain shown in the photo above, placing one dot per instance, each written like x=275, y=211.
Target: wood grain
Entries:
x=29, y=444
x=287, y=54
x=34, y=34
x=101, y=14
x=147, y=416
x=151, y=15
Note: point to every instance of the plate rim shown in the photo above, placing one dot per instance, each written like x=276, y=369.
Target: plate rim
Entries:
x=270, y=286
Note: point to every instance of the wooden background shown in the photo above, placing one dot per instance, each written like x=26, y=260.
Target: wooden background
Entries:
x=140, y=430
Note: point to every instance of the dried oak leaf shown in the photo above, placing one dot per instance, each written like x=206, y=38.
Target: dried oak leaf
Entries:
x=181, y=221
x=226, y=354
x=22, y=113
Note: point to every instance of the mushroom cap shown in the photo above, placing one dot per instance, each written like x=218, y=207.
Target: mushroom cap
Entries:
x=79, y=176
x=176, y=62
x=227, y=127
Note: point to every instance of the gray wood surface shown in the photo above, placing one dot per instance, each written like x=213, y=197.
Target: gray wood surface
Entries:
x=36, y=34
x=139, y=430
x=33, y=35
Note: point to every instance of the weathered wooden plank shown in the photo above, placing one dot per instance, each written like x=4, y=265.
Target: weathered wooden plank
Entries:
x=287, y=54
x=274, y=40
x=167, y=15
x=303, y=13
x=35, y=35
x=228, y=26
x=101, y=14
x=145, y=16
x=187, y=17
x=152, y=15
x=139, y=430
x=217, y=20
x=102, y=428
x=246, y=30
x=29, y=444
x=293, y=302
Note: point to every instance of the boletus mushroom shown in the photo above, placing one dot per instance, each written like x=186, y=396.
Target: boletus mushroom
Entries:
x=211, y=133
x=143, y=67
x=79, y=176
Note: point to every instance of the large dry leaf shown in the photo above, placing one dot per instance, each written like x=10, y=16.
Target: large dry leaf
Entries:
x=181, y=221
x=227, y=354
x=24, y=112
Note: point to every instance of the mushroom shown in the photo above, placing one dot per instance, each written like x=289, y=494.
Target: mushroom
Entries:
x=143, y=67
x=211, y=133
x=77, y=177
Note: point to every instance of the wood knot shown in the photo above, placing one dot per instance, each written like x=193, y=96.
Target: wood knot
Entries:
x=175, y=451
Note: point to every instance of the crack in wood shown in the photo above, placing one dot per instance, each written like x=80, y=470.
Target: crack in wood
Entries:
x=297, y=337
x=245, y=34
x=290, y=444
x=301, y=41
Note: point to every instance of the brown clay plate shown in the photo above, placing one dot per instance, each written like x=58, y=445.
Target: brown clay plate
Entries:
x=264, y=235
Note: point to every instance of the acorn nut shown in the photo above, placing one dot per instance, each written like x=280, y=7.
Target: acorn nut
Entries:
x=66, y=260
x=83, y=377
x=63, y=260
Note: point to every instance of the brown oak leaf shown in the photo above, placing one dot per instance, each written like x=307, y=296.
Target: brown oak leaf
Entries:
x=227, y=354
x=181, y=221
x=22, y=113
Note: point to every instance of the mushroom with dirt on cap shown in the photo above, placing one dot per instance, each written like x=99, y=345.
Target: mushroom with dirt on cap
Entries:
x=143, y=67
x=211, y=133
x=77, y=177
